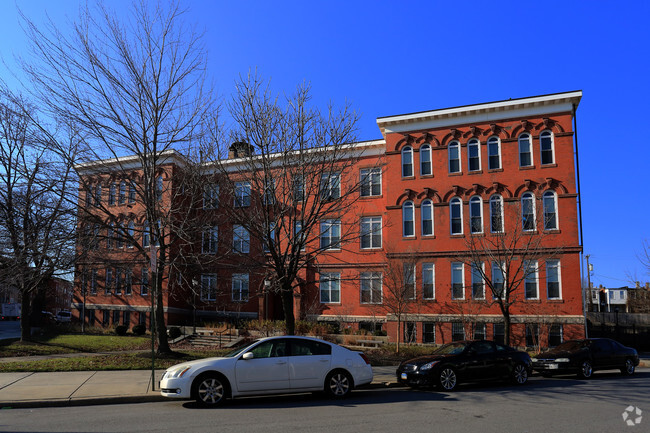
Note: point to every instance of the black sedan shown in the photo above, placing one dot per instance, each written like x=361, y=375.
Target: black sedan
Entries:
x=583, y=357
x=465, y=361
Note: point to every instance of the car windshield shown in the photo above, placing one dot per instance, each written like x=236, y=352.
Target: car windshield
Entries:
x=450, y=349
x=571, y=345
x=239, y=350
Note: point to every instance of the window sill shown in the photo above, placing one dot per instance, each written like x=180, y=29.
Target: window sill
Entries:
x=408, y=177
x=424, y=237
x=426, y=176
x=370, y=250
x=553, y=231
x=458, y=173
x=552, y=165
x=528, y=167
x=533, y=301
x=494, y=170
x=369, y=197
x=459, y=236
x=556, y=300
x=409, y=238
x=475, y=172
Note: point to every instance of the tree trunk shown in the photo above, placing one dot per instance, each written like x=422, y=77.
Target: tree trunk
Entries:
x=25, y=318
x=506, y=326
x=287, y=306
x=161, y=329
x=399, y=325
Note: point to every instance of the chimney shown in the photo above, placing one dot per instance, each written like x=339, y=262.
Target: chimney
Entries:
x=240, y=149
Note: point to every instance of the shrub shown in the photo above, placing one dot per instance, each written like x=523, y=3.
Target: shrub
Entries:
x=174, y=332
x=121, y=329
x=139, y=329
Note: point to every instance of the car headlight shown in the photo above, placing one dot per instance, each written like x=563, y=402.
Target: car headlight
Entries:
x=562, y=360
x=175, y=373
x=428, y=365
x=533, y=359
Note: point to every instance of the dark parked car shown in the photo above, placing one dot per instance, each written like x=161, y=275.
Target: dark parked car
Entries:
x=585, y=356
x=465, y=361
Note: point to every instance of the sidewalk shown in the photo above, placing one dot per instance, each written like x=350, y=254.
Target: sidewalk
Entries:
x=80, y=388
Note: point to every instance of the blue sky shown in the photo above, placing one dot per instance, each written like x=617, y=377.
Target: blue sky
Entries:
x=389, y=58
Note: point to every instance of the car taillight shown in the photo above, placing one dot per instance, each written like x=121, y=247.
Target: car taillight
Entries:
x=365, y=358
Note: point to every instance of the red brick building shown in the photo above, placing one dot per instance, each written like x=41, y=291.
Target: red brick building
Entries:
x=437, y=184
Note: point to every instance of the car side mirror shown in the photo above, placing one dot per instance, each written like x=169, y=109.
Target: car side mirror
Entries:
x=247, y=356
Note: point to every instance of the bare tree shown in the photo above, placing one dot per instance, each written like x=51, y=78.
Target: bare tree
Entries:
x=36, y=216
x=509, y=254
x=136, y=91
x=288, y=182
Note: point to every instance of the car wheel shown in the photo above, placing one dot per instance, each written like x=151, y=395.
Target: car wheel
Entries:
x=629, y=368
x=519, y=374
x=586, y=370
x=210, y=390
x=447, y=379
x=338, y=384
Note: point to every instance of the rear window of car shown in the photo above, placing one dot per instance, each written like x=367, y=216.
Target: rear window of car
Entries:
x=309, y=347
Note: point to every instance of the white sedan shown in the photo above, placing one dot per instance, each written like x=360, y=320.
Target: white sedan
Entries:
x=274, y=365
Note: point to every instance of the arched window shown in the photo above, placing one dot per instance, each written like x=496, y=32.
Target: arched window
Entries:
x=132, y=192
x=426, y=209
x=407, y=161
x=456, y=216
x=159, y=188
x=408, y=219
x=98, y=195
x=122, y=196
x=146, y=235
x=525, y=151
x=474, y=155
x=476, y=214
x=425, y=160
x=131, y=233
x=89, y=195
x=454, y=157
x=528, y=211
x=546, y=147
x=111, y=194
x=549, y=201
x=494, y=153
x=496, y=214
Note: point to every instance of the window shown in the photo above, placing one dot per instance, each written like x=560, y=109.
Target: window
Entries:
x=159, y=188
x=410, y=332
x=241, y=241
x=479, y=331
x=128, y=284
x=110, y=235
x=240, y=287
x=269, y=192
x=122, y=195
x=456, y=216
x=98, y=195
x=116, y=317
x=497, y=281
x=142, y=318
x=532, y=334
x=553, y=288
x=208, y=287
x=93, y=282
x=407, y=161
x=370, y=182
x=210, y=196
x=525, y=151
x=126, y=318
x=546, y=147
x=499, y=333
x=494, y=153
x=130, y=231
x=119, y=236
x=530, y=279
x=409, y=281
x=425, y=160
x=330, y=186
x=426, y=210
x=146, y=235
x=210, y=237
x=309, y=348
x=528, y=211
x=298, y=186
x=111, y=194
x=555, y=335
x=457, y=331
x=476, y=214
x=89, y=196
x=550, y=210
x=454, y=157
x=109, y=281
x=408, y=219
x=457, y=281
x=144, y=282
x=330, y=234
x=428, y=281
x=301, y=236
x=268, y=243
x=242, y=194
x=474, y=155
x=330, y=288
x=429, y=332
x=106, y=317
x=371, y=288
x=370, y=232
x=478, y=284
x=132, y=192
x=496, y=214
x=118, y=281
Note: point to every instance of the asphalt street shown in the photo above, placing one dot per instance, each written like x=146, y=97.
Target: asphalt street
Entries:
x=542, y=405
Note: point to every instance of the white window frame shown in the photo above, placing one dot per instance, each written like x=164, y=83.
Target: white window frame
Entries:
x=427, y=207
x=408, y=273
x=211, y=196
x=208, y=287
x=407, y=162
x=132, y=192
x=112, y=192
x=330, y=186
x=330, y=283
x=497, y=271
x=426, y=164
x=144, y=282
x=371, y=285
x=408, y=219
x=474, y=218
x=552, y=197
x=553, y=264
x=428, y=278
x=370, y=181
x=330, y=234
x=241, y=239
x=121, y=197
x=528, y=197
x=471, y=144
x=209, y=245
x=476, y=274
x=455, y=202
x=240, y=287
x=496, y=198
x=455, y=268
x=242, y=194
x=531, y=276
x=454, y=146
x=492, y=143
x=542, y=135
x=522, y=151
x=371, y=230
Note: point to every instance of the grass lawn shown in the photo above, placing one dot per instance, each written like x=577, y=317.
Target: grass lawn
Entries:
x=73, y=343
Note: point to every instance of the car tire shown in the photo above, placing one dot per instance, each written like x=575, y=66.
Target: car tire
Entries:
x=519, y=374
x=338, y=384
x=586, y=370
x=629, y=368
x=210, y=390
x=447, y=379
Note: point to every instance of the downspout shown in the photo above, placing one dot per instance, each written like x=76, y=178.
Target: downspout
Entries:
x=581, y=241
